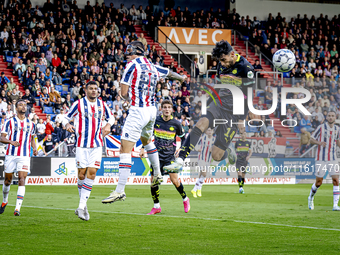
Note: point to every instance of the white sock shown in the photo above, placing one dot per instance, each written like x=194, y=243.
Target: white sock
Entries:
x=20, y=197
x=196, y=186
x=313, y=190
x=124, y=171
x=80, y=185
x=153, y=157
x=5, y=192
x=336, y=194
x=157, y=205
x=200, y=182
x=186, y=198
x=85, y=192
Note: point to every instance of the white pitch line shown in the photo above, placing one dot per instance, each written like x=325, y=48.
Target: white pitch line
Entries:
x=198, y=218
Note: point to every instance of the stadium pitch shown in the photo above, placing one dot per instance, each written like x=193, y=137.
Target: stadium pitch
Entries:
x=268, y=219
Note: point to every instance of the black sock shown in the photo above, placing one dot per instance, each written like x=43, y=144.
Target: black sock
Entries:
x=240, y=181
x=181, y=191
x=155, y=193
x=190, y=143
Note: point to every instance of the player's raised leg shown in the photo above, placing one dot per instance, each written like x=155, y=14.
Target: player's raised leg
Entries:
x=5, y=191
x=189, y=144
x=179, y=186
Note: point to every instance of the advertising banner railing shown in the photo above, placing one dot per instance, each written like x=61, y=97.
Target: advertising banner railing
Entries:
x=194, y=36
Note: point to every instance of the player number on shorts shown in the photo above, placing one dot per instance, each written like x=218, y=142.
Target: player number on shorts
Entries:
x=229, y=136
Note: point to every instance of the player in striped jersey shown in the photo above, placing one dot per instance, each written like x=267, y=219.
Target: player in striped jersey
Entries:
x=138, y=88
x=88, y=114
x=18, y=133
x=204, y=158
x=243, y=153
x=326, y=136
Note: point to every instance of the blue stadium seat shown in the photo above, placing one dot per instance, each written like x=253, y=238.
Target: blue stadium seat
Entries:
x=109, y=104
x=297, y=129
x=260, y=94
x=64, y=93
x=59, y=88
x=48, y=110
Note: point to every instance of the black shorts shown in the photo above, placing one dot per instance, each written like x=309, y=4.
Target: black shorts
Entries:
x=241, y=166
x=162, y=164
x=224, y=132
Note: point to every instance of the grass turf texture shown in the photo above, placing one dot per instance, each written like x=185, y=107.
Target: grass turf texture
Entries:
x=220, y=222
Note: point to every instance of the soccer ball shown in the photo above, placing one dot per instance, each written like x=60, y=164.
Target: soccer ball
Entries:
x=284, y=60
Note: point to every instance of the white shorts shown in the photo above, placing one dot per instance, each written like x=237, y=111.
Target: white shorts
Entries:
x=88, y=157
x=321, y=167
x=139, y=123
x=14, y=164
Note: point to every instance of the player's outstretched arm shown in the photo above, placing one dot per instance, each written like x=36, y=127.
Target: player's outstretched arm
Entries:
x=175, y=76
x=4, y=140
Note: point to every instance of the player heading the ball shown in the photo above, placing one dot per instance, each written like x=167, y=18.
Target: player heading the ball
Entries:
x=138, y=89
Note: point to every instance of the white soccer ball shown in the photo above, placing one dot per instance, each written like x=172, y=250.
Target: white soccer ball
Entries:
x=284, y=60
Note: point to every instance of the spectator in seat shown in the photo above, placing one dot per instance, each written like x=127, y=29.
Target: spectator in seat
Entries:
x=11, y=85
x=54, y=95
x=49, y=125
x=20, y=69
x=29, y=99
x=304, y=140
x=3, y=79
x=122, y=119
x=58, y=105
x=14, y=96
x=3, y=106
x=306, y=123
x=48, y=146
x=116, y=129
x=41, y=130
x=45, y=99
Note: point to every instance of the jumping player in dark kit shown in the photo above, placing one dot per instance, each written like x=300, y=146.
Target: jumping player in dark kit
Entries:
x=233, y=69
x=166, y=129
x=243, y=153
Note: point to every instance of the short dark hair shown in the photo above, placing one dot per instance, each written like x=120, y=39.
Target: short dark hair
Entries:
x=91, y=83
x=167, y=102
x=20, y=100
x=222, y=47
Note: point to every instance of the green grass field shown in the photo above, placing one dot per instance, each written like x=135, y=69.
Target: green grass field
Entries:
x=268, y=219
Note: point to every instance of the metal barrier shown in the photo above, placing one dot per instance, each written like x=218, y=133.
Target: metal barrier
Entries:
x=187, y=62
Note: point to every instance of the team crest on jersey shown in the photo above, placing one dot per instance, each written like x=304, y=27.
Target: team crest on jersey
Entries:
x=250, y=75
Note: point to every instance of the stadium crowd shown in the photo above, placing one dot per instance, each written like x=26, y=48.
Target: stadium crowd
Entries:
x=58, y=45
